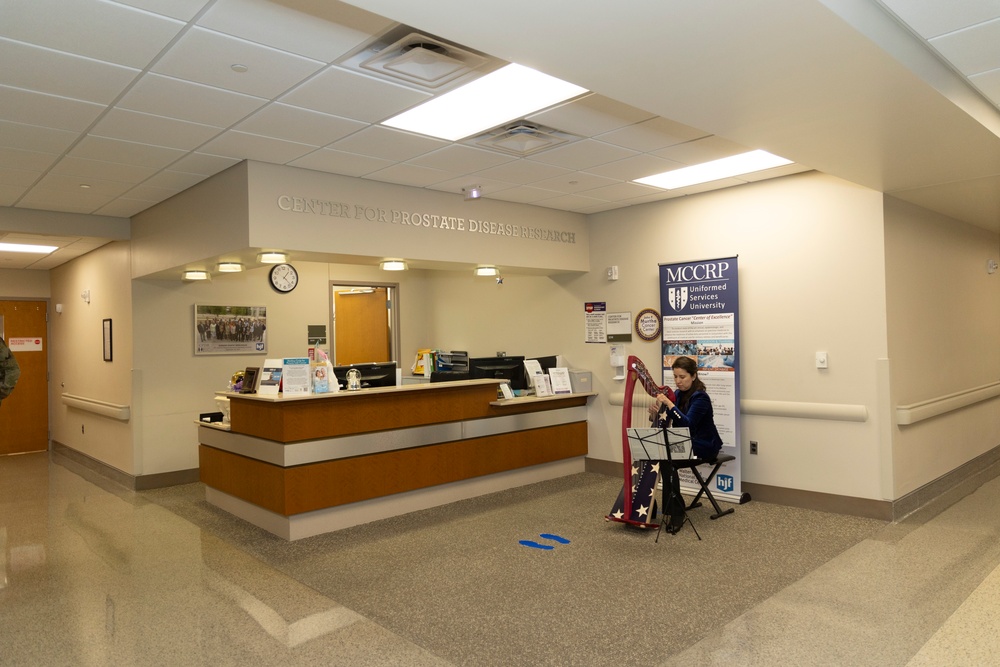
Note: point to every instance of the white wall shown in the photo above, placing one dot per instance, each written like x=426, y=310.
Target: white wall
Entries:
x=943, y=327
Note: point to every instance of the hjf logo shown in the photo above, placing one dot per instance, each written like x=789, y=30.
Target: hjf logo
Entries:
x=724, y=482
x=260, y=347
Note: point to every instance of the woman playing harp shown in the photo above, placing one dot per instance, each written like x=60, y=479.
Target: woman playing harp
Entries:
x=640, y=394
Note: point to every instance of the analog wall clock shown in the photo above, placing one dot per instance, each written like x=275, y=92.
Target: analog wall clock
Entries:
x=284, y=277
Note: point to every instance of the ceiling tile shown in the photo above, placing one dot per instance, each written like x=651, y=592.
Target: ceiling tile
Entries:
x=96, y=187
x=973, y=50
x=582, y=154
x=56, y=73
x=125, y=152
x=125, y=207
x=341, y=162
x=634, y=167
x=18, y=178
x=590, y=116
x=9, y=194
x=702, y=150
x=388, y=144
x=571, y=202
x=244, y=146
x=576, y=181
x=35, y=138
x=156, y=130
x=620, y=192
x=348, y=95
x=18, y=159
x=185, y=10
x=65, y=200
x=174, y=180
x=651, y=135
x=201, y=163
x=30, y=108
x=112, y=171
x=524, y=194
x=207, y=57
x=523, y=172
x=104, y=31
x=285, y=26
x=173, y=98
x=989, y=84
x=152, y=193
x=461, y=158
x=408, y=174
x=931, y=18
x=296, y=124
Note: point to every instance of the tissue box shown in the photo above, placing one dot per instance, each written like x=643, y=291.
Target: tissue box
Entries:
x=580, y=381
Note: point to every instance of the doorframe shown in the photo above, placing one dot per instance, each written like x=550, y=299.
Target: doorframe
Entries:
x=392, y=321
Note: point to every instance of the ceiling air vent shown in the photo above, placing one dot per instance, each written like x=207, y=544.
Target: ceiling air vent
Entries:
x=419, y=60
x=523, y=138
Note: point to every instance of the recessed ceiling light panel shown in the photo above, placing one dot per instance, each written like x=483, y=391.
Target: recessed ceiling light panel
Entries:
x=727, y=167
x=499, y=97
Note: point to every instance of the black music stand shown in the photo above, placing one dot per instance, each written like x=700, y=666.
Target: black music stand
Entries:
x=660, y=444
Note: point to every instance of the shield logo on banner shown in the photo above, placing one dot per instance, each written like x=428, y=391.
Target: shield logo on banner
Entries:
x=677, y=297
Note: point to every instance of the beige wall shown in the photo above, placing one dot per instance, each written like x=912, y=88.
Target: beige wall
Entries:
x=943, y=314
x=76, y=360
x=24, y=284
x=821, y=263
x=811, y=279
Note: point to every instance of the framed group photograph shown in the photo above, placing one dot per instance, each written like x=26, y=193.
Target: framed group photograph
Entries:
x=230, y=329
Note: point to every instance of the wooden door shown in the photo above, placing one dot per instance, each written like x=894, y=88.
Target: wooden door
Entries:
x=24, y=415
x=361, y=325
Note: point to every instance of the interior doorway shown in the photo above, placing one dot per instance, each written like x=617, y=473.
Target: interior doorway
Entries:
x=364, y=320
x=24, y=415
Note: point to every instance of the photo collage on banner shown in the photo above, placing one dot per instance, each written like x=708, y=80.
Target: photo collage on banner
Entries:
x=699, y=302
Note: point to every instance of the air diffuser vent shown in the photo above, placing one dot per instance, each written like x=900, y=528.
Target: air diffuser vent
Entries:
x=523, y=138
x=419, y=60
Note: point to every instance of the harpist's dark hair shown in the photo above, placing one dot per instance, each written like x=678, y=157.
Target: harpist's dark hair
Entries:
x=688, y=365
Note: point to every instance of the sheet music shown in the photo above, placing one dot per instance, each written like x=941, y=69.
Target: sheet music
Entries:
x=647, y=443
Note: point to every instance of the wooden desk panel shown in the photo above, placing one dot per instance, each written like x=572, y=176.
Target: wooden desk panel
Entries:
x=289, y=491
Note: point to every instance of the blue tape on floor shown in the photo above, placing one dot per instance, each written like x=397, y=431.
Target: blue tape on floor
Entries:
x=554, y=538
x=536, y=545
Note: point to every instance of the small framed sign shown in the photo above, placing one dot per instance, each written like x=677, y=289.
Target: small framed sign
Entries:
x=108, y=351
x=648, y=324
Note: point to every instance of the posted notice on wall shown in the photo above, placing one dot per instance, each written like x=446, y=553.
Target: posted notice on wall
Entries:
x=595, y=314
x=619, y=327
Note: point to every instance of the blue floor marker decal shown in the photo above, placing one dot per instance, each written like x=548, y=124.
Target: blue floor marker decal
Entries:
x=554, y=538
x=536, y=545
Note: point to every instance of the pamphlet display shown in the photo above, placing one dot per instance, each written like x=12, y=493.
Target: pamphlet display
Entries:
x=295, y=376
x=270, y=378
x=560, y=381
x=542, y=384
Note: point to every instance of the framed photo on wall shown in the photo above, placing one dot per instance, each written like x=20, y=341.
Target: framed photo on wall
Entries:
x=230, y=329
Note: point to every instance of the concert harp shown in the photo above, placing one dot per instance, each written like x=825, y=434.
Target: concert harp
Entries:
x=640, y=392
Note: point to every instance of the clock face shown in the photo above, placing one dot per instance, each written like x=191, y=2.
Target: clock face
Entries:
x=284, y=277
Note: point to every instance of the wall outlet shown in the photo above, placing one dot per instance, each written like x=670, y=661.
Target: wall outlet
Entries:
x=753, y=446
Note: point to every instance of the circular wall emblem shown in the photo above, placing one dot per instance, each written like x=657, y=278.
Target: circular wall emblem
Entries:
x=648, y=324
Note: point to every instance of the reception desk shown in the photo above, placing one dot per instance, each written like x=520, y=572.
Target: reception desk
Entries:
x=305, y=465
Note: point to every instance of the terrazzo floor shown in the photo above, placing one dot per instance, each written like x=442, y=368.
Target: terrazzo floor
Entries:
x=94, y=574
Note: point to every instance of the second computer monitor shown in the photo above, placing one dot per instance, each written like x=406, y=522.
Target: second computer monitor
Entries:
x=510, y=369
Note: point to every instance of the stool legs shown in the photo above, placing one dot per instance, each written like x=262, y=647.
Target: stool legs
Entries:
x=703, y=482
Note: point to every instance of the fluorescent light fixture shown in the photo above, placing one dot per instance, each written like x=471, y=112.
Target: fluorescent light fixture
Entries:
x=393, y=265
x=230, y=267
x=736, y=165
x=197, y=275
x=272, y=258
x=507, y=94
x=27, y=247
x=486, y=271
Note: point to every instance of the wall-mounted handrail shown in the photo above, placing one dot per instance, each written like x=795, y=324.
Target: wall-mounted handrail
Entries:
x=113, y=410
x=916, y=412
x=794, y=409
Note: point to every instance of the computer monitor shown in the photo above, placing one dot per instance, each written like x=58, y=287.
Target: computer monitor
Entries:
x=547, y=363
x=510, y=369
x=375, y=374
